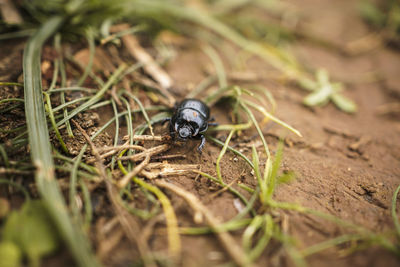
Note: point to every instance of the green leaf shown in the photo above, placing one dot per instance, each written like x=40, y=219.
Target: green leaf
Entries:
x=325, y=91
x=31, y=229
x=308, y=84
x=344, y=103
x=322, y=76
x=319, y=97
x=10, y=255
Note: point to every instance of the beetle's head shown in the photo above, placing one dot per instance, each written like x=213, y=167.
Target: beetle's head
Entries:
x=184, y=131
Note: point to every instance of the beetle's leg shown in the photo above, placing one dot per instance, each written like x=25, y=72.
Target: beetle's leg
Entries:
x=203, y=141
x=171, y=131
x=210, y=123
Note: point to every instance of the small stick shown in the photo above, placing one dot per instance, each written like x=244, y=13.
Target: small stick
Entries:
x=161, y=138
x=119, y=148
x=170, y=156
x=227, y=241
x=10, y=13
x=164, y=165
x=125, y=180
x=115, y=149
x=150, y=65
x=161, y=169
x=152, y=151
x=165, y=97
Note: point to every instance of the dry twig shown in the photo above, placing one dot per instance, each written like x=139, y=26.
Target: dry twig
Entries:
x=164, y=169
x=151, y=151
x=9, y=13
x=150, y=65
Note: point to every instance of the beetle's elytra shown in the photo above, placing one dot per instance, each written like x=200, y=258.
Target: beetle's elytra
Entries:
x=190, y=120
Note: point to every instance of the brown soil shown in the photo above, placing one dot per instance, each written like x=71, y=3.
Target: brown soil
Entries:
x=346, y=165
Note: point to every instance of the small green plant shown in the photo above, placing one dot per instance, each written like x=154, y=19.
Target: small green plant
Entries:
x=30, y=232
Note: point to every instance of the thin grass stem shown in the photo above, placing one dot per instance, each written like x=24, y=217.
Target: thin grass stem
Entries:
x=272, y=117
x=88, y=205
x=57, y=45
x=3, y=154
x=329, y=243
x=234, y=191
x=92, y=49
x=53, y=123
x=73, y=182
x=116, y=135
x=394, y=213
x=143, y=110
x=231, y=225
x=221, y=154
x=11, y=100
x=218, y=64
x=247, y=237
x=203, y=85
x=235, y=151
x=262, y=243
x=55, y=75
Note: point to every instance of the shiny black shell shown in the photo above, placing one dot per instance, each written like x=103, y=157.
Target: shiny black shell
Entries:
x=190, y=113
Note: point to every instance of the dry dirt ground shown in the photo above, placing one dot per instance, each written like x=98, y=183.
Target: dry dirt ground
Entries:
x=346, y=165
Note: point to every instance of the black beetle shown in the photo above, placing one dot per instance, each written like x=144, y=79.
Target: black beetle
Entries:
x=190, y=120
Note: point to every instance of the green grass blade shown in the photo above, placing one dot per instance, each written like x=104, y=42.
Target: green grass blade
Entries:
x=218, y=65
x=235, y=151
x=272, y=117
x=10, y=84
x=53, y=123
x=63, y=74
x=329, y=244
x=221, y=154
x=262, y=243
x=41, y=148
x=394, y=214
x=92, y=50
x=247, y=238
x=344, y=103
